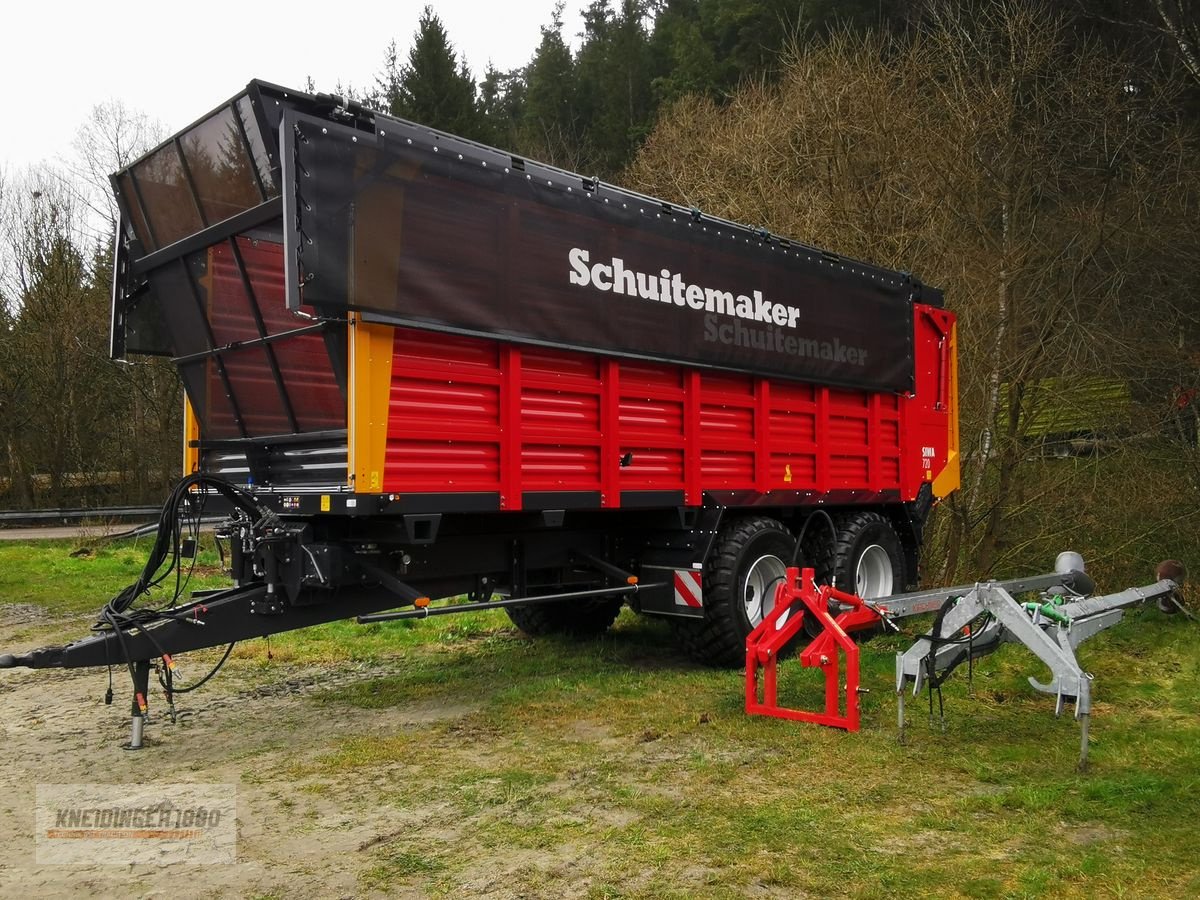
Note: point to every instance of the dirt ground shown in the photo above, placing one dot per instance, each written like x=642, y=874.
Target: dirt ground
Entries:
x=55, y=729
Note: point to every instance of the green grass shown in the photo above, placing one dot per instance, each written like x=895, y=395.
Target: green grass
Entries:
x=621, y=744
x=618, y=768
x=66, y=577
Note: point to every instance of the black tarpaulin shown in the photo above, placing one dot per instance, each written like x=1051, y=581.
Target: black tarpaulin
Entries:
x=435, y=232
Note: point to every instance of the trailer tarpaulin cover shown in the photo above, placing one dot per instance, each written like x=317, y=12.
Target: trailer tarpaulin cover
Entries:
x=466, y=238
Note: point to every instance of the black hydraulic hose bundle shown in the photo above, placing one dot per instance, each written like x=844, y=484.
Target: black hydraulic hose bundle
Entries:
x=184, y=503
x=168, y=539
x=935, y=638
x=796, y=553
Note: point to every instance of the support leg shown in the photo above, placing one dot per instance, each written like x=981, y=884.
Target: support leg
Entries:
x=1084, y=718
x=141, y=689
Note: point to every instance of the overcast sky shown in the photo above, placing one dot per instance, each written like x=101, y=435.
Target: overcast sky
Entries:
x=176, y=61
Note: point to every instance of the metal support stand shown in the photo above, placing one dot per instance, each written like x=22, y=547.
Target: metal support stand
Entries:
x=1083, y=741
x=796, y=597
x=141, y=689
x=1050, y=630
x=972, y=621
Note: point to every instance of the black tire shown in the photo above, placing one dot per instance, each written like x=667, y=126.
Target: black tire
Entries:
x=719, y=639
x=819, y=533
x=869, y=550
x=858, y=535
x=580, y=619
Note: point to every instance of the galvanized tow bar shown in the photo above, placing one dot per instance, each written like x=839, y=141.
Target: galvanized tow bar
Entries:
x=1050, y=628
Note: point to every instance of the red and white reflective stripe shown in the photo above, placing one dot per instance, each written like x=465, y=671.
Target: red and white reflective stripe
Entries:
x=687, y=589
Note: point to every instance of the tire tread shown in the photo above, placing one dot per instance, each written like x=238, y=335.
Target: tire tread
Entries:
x=581, y=619
x=717, y=639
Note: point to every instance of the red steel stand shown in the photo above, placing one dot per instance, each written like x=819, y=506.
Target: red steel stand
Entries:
x=795, y=598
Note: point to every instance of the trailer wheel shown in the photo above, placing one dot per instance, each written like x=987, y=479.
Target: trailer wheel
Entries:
x=868, y=560
x=747, y=563
x=581, y=619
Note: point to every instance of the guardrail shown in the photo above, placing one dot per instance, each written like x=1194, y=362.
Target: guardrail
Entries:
x=49, y=516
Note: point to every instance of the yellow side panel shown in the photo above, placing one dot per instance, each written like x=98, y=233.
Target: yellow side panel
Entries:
x=370, y=391
x=191, y=434
x=950, y=478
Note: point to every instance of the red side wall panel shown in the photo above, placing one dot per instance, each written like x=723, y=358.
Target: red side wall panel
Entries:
x=469, y=415
x=444, y=427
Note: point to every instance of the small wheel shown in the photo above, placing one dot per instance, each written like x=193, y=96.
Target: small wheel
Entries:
x=581, y=619
x=747, y=564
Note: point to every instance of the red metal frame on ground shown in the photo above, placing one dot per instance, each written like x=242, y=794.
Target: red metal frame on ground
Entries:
x=798, y=596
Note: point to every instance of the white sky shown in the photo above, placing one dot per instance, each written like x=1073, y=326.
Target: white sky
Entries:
x=176, y=61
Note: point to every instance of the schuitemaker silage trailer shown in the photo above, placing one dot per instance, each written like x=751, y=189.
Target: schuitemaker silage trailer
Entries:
x=419, y=368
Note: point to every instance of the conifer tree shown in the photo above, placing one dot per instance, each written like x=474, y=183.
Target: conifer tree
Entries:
x=434, y=87
x=501, y=107
x=614, y=88
x=550, y=128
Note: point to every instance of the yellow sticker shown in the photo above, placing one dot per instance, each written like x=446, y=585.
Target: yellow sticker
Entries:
x=787, y=474
x=324, y=503
x=375, y=485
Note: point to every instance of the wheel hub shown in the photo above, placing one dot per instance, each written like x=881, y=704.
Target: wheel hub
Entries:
x=758, y=587
x=873, y=575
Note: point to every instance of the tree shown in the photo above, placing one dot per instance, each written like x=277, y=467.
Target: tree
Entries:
x=1180, y=21
x=685, y=60
x=55, y=358
x=112, y=137
x=434, y=88
x=12, y=410
x=713, y=45
x=550, y=128
x=1155, y=25
x=1030, y=174
x=76, y=427
x=614, y=94
x=501, y=107
x=140, y=437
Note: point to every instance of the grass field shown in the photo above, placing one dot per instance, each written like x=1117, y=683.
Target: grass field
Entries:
x=615, y=768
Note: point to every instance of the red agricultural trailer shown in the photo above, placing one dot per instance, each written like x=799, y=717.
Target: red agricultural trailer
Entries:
x=418, y=369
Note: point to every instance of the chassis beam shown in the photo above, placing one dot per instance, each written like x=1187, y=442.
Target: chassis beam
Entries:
x=236, y=615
